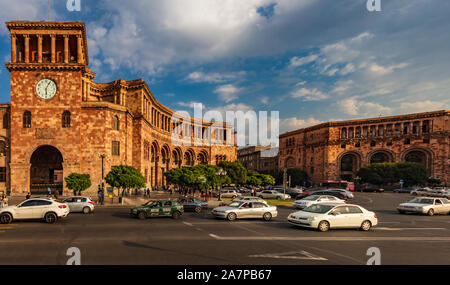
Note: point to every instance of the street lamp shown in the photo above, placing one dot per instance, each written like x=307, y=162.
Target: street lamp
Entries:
x=221, y=173
x=357, y=179
x=103, y=156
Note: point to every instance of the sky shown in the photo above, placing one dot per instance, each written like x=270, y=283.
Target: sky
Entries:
x=312, y=60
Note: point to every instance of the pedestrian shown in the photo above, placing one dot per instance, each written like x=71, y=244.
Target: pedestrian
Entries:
x=56, y=194
x=28, y=196
x=49, y=191
x=1, y=201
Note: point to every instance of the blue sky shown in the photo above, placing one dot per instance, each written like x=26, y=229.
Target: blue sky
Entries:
x=313, y=61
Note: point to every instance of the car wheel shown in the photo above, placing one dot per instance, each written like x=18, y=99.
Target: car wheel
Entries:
x=142, y=215
x=430, y=212
x=176, y=215
x=50, y=218
x=267, y=216
x=366, y=225
x=278, y=198
x=324, y=226
x=401, y=211
x=86, y=210
x=6, y=218
x=231, y=217
x=198, y=209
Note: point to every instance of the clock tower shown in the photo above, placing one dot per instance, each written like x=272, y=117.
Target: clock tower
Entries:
x=48, y=82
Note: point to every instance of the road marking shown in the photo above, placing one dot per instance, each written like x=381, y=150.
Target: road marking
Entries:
x=5, y=228
x=259, y=238
x=290, y=255
x=187, y=224
x=403, y=229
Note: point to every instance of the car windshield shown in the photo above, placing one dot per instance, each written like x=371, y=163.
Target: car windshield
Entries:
x=318, y=208
x=311, y=198
x=150, y=203
x=421, y=201
x=235, y=204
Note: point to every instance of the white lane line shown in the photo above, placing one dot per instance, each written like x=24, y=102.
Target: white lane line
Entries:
x=290, y=255
x=404, y=229
x=259, y=238
x=188, y=224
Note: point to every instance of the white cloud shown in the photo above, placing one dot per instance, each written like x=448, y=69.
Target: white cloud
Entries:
x=383, y=70
x=227, y=93
x=214, y=77
x=309, y=94
x=423, y=106
x=265, y=100
x=354, y=107
x=293, y=123
x=298, y=61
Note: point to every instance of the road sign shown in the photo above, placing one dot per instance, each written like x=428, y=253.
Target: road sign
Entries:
x=401, y=181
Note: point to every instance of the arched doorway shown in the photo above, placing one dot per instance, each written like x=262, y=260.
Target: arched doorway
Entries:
x=290, y=162
x=202, y=157
x=349, y=166
x=422, y=156
x=46, y=170
x=381, y=156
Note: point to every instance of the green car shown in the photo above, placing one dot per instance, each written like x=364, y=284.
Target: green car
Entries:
x=158, y=208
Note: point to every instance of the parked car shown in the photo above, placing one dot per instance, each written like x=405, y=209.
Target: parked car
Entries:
x=243, y=209
x=314, y=199
x=293, y=192
x=228, y=193
x=80, y=204
x=158, y=208
x=248, y=199
x=348, y=194
x=325, y=216
x=193, y=204
x=49, y=210
x=273, y=194
x=337, y=194
x=405, y=190
x=421, y=192
x=425, y=205
x=370, y=188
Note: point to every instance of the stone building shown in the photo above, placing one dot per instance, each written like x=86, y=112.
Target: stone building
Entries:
x=337, y=150
x=263, y=159
x=60, y=121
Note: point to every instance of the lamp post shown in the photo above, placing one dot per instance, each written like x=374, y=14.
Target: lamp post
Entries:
x=357, y=179
x=221, y=173
x=103, y=156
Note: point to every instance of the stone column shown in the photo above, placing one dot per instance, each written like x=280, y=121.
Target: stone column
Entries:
x=13, y=48
x=27, y=48
x=39, y=46
x=53, y=51
x=66, y=48
x=80, y=49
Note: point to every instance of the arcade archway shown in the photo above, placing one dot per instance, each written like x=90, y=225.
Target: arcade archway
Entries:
x=46, y=170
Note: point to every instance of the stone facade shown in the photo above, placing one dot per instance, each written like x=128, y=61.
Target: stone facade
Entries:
x=336, y=150
x=44, y=140
x=263, y=159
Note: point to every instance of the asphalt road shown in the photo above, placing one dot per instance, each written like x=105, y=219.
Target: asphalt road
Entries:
x=110, y=237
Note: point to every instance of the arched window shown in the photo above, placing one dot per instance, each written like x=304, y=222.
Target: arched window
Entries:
x=6, y=121
x=115, y=124
x=66, y=119
x=27, y=119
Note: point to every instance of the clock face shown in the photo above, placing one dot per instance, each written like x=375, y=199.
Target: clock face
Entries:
x=46, y=89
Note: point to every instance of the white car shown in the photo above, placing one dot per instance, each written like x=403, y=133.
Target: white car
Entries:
x=426, y=205
x=334, y=215
x=272, y=194
x=49, y=210
x=249, y=199
x=244, y=209
x=314, y=199
x=227, y=193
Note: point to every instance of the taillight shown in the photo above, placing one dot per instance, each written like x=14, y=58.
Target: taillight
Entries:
x=206, y=204
x=92, y=203
x=375, y=215
x=62, y=206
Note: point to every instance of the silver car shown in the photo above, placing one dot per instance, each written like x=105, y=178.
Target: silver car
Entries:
x=227, y=193
x=80, y=204
x=426, y=205
x=241, y=209
x=273, y=194
x=249, y=199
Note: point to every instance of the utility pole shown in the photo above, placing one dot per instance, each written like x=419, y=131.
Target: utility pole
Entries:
x=49, y=10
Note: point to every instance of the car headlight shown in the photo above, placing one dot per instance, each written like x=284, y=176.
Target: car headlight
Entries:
x=311, y=218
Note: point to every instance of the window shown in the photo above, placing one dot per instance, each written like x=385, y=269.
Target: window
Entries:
x=6, y=121
x=27, y=119
x=66, y=119
x=115, y=123
x=115, y=148
x=407, y=141
x=373, y=143
x=358, y=144
x=2, y=174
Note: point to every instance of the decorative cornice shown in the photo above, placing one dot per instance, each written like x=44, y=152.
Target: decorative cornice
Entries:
x=44, y=66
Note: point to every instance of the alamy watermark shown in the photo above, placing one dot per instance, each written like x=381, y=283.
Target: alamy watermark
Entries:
x=373, y=5
x=73, y=5
x=74, y=254
x=237, y=127
x=375, y=254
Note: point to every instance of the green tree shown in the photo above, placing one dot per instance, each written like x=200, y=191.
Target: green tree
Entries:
x=124, y=177
x=411, y=173
x=298, y=177
x=78, y=182
x=235, y=170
